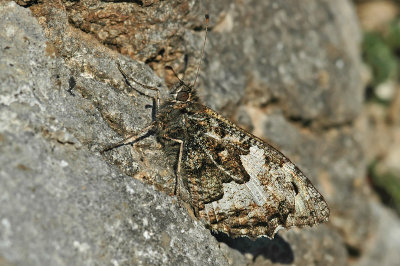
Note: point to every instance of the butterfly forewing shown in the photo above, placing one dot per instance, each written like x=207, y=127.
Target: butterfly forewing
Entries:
x=239, y=184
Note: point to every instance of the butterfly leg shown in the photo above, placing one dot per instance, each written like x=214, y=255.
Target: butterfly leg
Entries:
x=132, y=138
x=156, y=101
x=178, y=180
x=155, y=98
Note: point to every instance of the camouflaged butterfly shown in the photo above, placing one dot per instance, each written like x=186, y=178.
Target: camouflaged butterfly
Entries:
x=237, y=183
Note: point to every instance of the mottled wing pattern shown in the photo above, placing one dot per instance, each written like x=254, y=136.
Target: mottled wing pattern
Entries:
x=241, y=185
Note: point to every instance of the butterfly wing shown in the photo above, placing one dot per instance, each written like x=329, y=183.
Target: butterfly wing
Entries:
x=241, y=185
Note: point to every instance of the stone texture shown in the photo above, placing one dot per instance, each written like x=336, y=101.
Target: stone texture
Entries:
x=287, y=70
x=61, y=203
x=382, y=246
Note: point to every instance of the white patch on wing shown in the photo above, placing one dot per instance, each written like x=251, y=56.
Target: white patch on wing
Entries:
x=254, y=164
x=235, y=196
x=238, y=196
x=299, y=204
x=212, y=135
x=224, y=153
x=228, y=138
x=232, y=138
x=241, y=195
x=301, y=197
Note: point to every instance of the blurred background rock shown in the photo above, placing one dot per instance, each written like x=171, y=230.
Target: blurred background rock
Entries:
x=380, y=23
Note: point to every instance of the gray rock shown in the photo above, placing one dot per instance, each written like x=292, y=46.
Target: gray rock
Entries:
x=382, y=246
x=62, y=204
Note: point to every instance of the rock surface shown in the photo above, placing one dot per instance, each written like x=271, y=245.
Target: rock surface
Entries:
x=285, y=70
x=61, y=203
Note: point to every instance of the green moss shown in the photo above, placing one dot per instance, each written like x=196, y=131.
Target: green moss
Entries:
x=392, y=38
x=379, y=56
x=387, y=185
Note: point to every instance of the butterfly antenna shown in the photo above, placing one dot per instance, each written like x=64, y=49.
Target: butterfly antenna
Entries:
x=176, y=75
x=207, y=17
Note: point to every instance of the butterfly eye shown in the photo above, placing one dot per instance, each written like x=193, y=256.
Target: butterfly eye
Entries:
x=182, y=96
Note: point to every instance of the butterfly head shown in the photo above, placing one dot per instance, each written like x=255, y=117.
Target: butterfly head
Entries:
x=182, y=93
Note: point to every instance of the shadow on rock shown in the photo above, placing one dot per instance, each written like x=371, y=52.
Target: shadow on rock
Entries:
x=277, y=250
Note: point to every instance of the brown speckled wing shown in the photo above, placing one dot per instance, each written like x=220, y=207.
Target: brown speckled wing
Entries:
x=242, y=186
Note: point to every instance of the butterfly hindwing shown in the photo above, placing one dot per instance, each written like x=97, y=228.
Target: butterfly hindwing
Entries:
x=241, y=185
